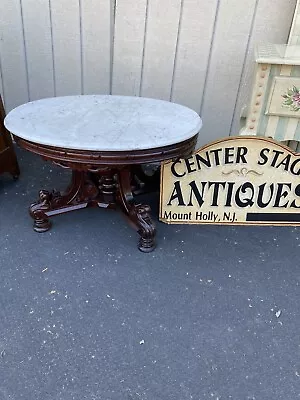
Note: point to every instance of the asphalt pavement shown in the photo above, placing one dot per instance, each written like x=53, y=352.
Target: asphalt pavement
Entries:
x=212, y=313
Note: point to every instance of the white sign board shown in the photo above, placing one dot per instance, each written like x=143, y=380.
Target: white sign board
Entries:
x=237, y=180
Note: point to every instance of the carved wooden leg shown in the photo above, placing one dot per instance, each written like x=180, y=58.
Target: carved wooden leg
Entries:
x=38, y=212
x=138, y=214
x=81, y=191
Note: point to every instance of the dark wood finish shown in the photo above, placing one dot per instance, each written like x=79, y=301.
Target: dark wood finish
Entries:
x=89, y=159
x=101, y=179
x=138, y=214
x=84, y=190
x=8, y=159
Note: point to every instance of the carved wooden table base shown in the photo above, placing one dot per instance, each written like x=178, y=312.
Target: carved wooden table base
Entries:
x=102, y=179
x=107, y=188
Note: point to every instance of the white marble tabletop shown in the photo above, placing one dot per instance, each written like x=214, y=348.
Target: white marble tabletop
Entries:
x=103, y=123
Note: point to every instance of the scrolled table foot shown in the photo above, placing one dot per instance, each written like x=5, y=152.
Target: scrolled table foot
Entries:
x=138, y=214
x=81, y=192
x=146, y=226
x=146, y=245
x=41, y=225
x=38, y=211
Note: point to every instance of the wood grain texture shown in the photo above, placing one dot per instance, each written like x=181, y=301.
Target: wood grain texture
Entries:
x=271, y=24
x=226, y=65
x=96, y=46
x=38, y=44
x=194, y=42
x=128, y=46
x=66, y=46
x=12, y=51
x=160, y=48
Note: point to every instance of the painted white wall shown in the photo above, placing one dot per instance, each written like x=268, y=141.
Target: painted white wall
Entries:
x=195, y=52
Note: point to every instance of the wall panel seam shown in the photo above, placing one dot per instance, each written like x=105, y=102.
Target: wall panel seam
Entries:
x=112, y=41
x=176, y=49
x=2, y=81
x=210, y=55
x=25, y=51
x=81, y=47
x=52, y=49
x=144, y=48
x=244, y=65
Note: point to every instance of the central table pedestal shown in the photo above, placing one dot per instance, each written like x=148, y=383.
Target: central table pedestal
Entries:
x=102, y=187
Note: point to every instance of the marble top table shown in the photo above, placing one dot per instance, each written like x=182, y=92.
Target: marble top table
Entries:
x=106, y=123
x=102, y=139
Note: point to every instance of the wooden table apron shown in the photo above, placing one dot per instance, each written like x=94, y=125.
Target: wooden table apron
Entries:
x=101, y=179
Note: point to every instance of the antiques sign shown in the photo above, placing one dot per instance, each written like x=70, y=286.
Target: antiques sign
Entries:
x=240, y=180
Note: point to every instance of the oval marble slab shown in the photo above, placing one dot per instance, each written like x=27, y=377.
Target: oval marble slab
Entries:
x=103, y=123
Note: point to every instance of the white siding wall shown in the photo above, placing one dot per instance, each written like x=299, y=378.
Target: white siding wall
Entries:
x=195, y=52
